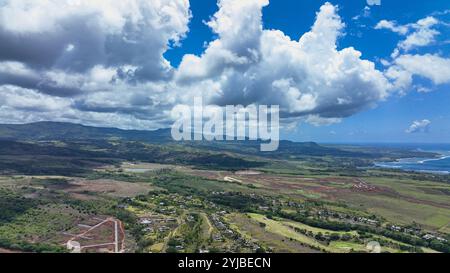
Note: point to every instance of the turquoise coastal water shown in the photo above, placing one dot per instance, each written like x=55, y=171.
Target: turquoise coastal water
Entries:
x=439, y=165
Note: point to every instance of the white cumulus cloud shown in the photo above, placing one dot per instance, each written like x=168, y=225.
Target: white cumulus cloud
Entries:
x=76, y=35
x=423, y=34
x=392, y=26
x=404, y=66
x=309, y=77
x=431, y=66
x=419, y=126
x=419, y=34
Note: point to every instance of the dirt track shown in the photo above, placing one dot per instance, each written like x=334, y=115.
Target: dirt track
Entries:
x=117, y=237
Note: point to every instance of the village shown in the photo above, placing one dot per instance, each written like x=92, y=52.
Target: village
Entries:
x=167, y=220
x=187, y=223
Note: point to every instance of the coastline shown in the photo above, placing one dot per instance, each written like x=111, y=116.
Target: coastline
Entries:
x=418, y=164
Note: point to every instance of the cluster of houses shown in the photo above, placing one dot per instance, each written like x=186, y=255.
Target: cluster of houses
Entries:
x=430, y=237
x=220, y=225
x=332, y=214
x=222, y=193
x=238, y=242
x=157, y=223
x=367, y=221
x=179, y=246
x=417, y=231
x=348, y=218
x=409, y=230
x=292, y=204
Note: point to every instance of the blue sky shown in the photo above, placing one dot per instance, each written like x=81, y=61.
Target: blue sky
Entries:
x=341, y=71
x=389, y=120
x=296, y=17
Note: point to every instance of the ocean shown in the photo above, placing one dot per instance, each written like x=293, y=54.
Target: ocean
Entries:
x=440, y=165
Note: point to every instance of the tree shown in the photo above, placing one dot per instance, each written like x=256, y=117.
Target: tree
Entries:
x=171, y=249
